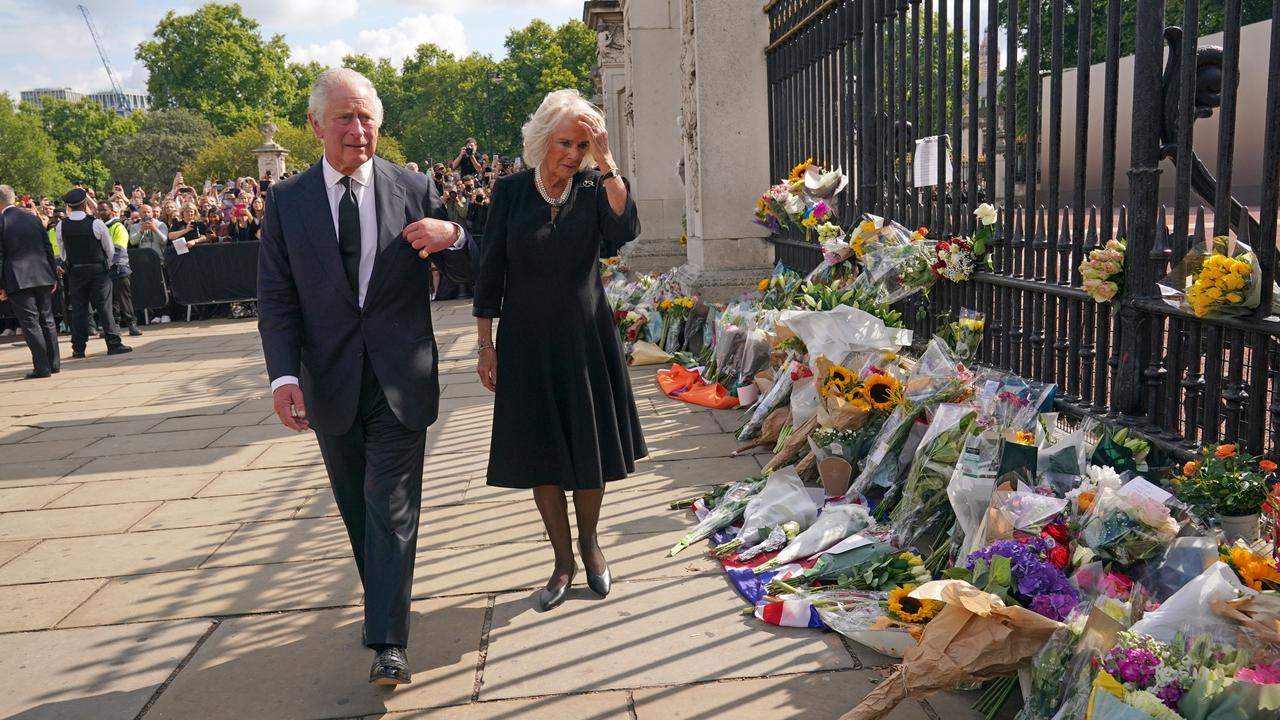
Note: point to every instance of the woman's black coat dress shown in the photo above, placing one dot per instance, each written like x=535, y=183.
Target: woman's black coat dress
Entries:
x=564, y=412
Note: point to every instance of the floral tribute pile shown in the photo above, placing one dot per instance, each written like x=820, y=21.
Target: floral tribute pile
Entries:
x=944, y=513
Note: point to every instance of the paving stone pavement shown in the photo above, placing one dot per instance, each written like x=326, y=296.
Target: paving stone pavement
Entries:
x=168, y=551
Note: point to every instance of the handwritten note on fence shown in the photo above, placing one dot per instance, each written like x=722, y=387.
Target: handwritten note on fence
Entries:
x=925, y=161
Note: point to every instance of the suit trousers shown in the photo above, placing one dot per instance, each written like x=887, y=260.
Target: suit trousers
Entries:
x=34, y=308
x=375, y=470
x=122, y=299
x=91, y=286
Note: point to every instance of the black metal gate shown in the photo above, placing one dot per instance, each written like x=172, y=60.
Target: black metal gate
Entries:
x=854, y=83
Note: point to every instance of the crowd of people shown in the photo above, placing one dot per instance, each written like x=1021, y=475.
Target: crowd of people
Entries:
x=232, y=210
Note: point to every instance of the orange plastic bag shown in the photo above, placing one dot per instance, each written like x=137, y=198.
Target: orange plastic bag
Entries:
x=681, y=384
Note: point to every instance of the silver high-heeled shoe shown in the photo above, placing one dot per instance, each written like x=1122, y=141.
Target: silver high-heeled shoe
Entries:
x=600, y=584
x=550, y=599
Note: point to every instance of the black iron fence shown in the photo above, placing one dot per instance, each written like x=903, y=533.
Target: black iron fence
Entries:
x=853, y=83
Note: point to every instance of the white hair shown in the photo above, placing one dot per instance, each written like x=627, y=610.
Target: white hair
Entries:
x=7, y=196
x=555, y=108
x=335, y=78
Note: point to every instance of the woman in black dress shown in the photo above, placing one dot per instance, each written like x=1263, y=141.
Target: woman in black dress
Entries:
x=564, y=416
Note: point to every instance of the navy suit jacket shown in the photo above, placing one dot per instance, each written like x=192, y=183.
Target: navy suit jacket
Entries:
x=26, y=257
x=310, y=320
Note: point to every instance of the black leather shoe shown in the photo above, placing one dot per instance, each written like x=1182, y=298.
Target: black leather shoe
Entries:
x=599, y=584
x=78, y=354
x=390, y=667
x=33, y=375
x=56, y=370
x=134, y=331
x=550, y=599
x=119, y=350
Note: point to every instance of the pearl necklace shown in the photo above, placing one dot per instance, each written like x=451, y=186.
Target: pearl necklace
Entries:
x=542, y=189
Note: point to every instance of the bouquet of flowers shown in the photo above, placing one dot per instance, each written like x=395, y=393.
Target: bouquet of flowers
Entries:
x=1143, y=673
x=779, y=289
x=612, y=270
x=965, y=335
x=1224, y=482
x=1018, y=573
x=924, y=517
x=727, y=509
x=801, y=200
x=1221, y=278
x=956, y=260
x=675, y=311
x=630, y=323
x=896, y=269
x=1254, y=570
x=1103, y=271
x=888, y=570
x=1126, y=528
x=782, y=500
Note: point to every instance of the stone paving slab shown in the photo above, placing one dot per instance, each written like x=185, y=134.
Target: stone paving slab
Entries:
x=283, y=541
x=208, y=592
x=54, y=432
x=247, y=482
x=31, y=497
x=12, y=549
x=72, y=522
x=114, y=555
x=816, y=696
x=104, y=673
x=673, y=631
x=107, y=492
x=229, y=509
x=183, y=462
x=308, y=665
x=40, y=606
x=593, y=706
x=151, y=440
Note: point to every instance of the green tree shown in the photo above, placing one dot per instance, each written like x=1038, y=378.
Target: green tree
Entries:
x=450, y=101
x=232, y=155
x=80, y=130
x=216, y=62
x=166, y=140
x=540, y=59
x=304, y=76
x=28, y=162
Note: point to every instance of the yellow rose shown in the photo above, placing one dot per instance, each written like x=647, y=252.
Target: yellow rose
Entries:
x=1213, y=293
x=1234, y=298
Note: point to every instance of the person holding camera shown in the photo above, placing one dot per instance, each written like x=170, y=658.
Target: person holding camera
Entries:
x=467, y=162
x=149, y=232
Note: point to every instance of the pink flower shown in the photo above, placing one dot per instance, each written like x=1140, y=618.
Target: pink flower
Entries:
x=1116, y=585
x=1263, y=674
x=1105, y=292
x=821, y=210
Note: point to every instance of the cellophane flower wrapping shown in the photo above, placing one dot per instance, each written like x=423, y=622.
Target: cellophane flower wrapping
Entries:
x=836, y=523
x=923, y=517
x=1220, y=278
x=1127, y=529
x=843, y=330
x=783, y=498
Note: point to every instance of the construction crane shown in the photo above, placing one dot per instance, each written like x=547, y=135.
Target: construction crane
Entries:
x=122, y=106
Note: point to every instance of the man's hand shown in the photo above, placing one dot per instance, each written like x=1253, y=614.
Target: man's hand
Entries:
x=3, y=295
x=487, y=369
x=431, y=235
x=290, y=407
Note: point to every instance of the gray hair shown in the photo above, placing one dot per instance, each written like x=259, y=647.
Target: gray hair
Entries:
x=555, y=108
x=335, y=78
x=7, y=195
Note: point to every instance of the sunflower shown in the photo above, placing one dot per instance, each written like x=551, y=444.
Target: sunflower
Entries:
x=833, y=388
x=909, y=609
x=841, y=374
x=881, y=391
x=861, y=404
x=797, y=173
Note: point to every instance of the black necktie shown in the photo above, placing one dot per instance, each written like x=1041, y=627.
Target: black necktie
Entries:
x=349, y=234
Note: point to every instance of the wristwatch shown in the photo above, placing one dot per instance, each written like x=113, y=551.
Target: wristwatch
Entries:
x=611, y=174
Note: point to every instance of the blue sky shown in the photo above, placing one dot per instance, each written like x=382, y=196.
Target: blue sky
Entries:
x=46, y=44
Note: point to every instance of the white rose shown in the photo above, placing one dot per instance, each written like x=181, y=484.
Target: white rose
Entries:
x=986, y=214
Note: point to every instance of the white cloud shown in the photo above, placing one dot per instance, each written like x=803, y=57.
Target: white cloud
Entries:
x=292, y=13
x=396, y=42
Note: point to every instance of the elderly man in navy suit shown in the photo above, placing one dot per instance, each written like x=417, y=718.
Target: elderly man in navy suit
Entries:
x=344, y=311
x=28, y=277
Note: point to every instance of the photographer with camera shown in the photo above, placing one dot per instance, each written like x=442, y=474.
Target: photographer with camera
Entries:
x=467, y=162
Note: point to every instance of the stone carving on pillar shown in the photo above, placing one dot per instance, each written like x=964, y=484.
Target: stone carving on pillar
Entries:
x=270, y=153
x=689, y=110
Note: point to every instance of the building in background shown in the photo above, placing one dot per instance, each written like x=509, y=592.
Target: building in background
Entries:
x=125, y=103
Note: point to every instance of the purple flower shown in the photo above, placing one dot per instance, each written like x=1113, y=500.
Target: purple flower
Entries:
x=1037, y=584
x=1170, y=694
x=1136, y=666
x=1056, y=606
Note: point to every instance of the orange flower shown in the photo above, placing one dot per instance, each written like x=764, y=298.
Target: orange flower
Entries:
x=1267, y=466
x=1225, y=451
x=1190, y=468
x=1085, y=500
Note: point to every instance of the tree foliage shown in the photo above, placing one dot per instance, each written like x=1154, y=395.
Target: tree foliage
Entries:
x=231, y=156
x=28, y=160
x=216, y=62
x=80, y=131
x=166, y=140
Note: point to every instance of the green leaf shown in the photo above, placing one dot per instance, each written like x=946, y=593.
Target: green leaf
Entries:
x=1001, y=571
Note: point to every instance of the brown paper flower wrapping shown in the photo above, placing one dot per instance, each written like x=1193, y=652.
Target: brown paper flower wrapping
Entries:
x=975, y=637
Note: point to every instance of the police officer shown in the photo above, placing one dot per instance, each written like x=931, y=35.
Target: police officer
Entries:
x=86, y=247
